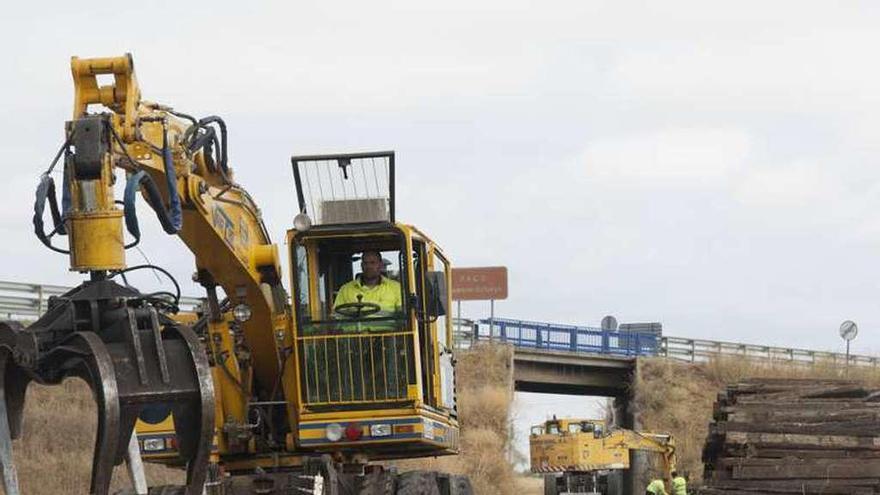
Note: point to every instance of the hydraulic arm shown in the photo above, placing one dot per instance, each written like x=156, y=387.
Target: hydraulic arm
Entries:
x=122, y=342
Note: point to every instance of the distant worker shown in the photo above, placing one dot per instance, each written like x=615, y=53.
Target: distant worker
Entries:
x=656, y=487
x=679, y=484
x=371, y=287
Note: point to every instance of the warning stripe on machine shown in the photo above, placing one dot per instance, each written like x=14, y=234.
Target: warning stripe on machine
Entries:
x=547, y=468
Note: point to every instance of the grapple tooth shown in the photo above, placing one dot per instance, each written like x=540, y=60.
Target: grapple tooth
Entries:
x=196, y=420
x=95, y=366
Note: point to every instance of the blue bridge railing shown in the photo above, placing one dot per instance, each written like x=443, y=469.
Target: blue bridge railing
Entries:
x=552, y=336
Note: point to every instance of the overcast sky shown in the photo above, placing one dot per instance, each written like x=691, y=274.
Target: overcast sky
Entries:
x=709, y=165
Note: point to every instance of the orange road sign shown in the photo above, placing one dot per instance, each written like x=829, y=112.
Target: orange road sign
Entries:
x=479, y=283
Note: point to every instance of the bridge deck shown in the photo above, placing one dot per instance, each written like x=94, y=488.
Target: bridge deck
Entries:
x=560, y=372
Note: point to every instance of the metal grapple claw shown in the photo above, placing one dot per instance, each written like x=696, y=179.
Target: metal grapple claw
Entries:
x=131, y=355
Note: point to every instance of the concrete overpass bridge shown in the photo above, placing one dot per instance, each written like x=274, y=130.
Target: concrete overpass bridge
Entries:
x=563, y=355
x=561, y=372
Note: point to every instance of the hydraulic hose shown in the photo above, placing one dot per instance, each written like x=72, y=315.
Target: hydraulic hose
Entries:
x=224, y=157
x=135, y=182
x=46, y=193
x=175, y=211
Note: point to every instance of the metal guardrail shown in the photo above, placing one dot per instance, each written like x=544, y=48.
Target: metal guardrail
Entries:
x=698, y=350
x=29, y=301
x=576, y=339
x=570, y=338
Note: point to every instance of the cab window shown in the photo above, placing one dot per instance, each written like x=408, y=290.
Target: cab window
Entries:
x=437, y=300
x=356, y=345
x=574, y=428
x=350, y=286
x=538, y=430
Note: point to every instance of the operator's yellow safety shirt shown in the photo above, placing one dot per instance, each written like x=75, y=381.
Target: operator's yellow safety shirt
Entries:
x=386, y=294
x=656, y=487
x=679, y=486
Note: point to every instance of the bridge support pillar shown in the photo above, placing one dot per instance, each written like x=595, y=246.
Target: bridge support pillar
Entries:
x=621, y=483
x=635, y=479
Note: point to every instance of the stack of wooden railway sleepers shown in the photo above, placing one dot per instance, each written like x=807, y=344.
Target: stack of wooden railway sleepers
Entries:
x=794, y=436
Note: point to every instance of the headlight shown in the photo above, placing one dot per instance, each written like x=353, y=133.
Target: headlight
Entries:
x=154, y=444
x=334, y=432
x=242, y=313
x=428, y=429
x=380, y=430
x=302, y=222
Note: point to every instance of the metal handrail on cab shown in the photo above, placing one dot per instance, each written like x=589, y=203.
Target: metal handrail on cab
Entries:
x=356, y=368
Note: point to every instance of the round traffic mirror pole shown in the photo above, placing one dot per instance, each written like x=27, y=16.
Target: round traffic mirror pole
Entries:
x=848, y=332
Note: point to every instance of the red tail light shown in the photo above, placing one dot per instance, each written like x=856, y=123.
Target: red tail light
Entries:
x=353, y=432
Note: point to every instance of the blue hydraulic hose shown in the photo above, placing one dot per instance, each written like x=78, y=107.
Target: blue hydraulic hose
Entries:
x=175, y=211
x=131, y=188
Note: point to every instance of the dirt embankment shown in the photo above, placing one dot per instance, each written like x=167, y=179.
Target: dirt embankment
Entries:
x=485, y=395
x=677, y=398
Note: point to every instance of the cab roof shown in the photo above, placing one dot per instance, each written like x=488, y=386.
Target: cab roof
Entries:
x=345, y=188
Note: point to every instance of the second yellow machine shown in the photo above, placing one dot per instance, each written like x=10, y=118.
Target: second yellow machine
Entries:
x=576, y=455
x=258, y=391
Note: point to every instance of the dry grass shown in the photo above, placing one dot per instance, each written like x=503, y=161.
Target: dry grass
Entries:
x=677, y=398
x=54, y=454
x=485, y=394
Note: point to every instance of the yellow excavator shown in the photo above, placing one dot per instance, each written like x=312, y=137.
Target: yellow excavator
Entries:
x=260, y=391
x=577, y=455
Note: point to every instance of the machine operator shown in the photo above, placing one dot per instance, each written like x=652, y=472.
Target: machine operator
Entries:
x=371, y=287
x=373, y=295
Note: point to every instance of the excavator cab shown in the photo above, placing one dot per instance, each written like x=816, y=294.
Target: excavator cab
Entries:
x=374, y=364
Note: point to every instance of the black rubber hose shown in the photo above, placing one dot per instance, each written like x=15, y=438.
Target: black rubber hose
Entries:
x=46, y=193
x=135, y=182
x=224, y=157
x=200, y=140
x=207, y=141
x=184, y=116
x=152, y=267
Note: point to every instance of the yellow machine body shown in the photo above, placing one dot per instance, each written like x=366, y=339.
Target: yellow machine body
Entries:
x=420, y=424
x=266, y=367
x=585, y=445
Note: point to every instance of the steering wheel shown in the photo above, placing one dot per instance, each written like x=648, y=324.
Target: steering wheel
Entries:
x=357, y=310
